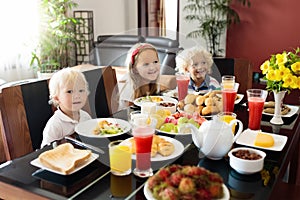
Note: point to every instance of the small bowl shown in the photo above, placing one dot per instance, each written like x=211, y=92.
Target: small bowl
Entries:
x=166, y=105
x=245, y=166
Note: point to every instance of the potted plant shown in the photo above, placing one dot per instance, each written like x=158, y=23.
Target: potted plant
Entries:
x=213, y=17
x=58, y=38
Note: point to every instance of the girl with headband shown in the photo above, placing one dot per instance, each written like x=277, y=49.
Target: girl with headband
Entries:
x=144, y=69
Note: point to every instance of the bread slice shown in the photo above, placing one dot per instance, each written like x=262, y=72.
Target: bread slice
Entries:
x=64, y=158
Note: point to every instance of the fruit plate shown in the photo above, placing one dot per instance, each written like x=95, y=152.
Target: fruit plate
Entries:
x=87, y=128
x=248, y=136
x=38, y=164
x=149, y=196
x=178, y=149
x=140, y=100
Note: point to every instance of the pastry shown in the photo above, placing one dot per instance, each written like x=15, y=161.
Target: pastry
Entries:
x=189, y=108
x=165, y=148
x=200, y=100
x=189, y=99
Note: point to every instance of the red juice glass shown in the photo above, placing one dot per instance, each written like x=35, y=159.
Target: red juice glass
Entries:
x=229, y=97
x=143, y=135
x=182, y=84
x=256, y=100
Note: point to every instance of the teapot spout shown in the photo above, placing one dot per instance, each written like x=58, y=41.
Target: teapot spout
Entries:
x=196, y=135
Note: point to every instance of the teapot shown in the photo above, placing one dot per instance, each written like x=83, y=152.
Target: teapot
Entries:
x=214, y=137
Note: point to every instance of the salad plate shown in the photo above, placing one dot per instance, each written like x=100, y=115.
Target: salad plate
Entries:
x=157, y=99
x=112, y=127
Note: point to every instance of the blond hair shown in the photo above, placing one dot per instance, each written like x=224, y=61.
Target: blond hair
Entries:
x=184, y=58
x=63, y=77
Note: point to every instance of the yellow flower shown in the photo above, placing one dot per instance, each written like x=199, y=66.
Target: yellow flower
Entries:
x=265, y=67
x=282, y=71
x=281, y=58
x=296, y=67
x=271, y=75
x=289, y=81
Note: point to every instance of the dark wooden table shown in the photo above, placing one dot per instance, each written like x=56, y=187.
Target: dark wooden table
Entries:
x=19, y=179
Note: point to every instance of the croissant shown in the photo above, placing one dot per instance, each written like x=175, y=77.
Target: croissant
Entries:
x=166, y=148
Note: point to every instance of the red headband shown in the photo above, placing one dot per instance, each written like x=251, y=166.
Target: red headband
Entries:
x=135, y=52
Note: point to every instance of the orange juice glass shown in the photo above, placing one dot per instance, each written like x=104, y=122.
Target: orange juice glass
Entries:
x=119, y=158
x=228, y=81
x=228, y=117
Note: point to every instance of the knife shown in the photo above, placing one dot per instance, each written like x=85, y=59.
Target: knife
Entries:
x=85, y=145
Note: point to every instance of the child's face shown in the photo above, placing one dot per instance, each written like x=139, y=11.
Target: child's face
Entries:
x=199, y=68
x=72, y=96
x=147, y=65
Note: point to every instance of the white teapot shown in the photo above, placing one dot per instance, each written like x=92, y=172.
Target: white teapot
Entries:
x=214, y=137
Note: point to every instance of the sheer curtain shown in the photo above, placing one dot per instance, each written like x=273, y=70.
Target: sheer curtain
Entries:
x=18, y=38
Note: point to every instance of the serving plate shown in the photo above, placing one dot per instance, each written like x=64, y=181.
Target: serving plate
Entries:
x=38, y=164
x=149, y=196
x=140, y=100
x=178, y=149
x=248, y=136
x=87, y=128
x=294, y=110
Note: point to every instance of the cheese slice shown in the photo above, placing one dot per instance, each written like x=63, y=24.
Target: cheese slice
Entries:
x=264, y=140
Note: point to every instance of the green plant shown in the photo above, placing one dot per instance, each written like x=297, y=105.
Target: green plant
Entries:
x=213, y=17
x=57, y=43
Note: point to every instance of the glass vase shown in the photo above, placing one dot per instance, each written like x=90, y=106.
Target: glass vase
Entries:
x=278, y=98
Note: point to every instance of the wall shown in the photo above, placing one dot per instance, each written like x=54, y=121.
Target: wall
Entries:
x=267, y=27
x=111, y=16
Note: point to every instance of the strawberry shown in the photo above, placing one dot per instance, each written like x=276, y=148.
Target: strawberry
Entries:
x=163, y=174
x=214, y=177
x=215, y=190
x=202, y=194
x=169, y=193
x=175, y=178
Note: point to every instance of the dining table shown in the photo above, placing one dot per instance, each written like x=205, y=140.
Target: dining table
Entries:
x=20, y=179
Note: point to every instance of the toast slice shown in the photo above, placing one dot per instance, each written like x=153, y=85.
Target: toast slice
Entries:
x=64, y=158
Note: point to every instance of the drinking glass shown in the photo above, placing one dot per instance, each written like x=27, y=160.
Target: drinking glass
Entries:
x=119, y=158
x=143, y=135
x=228, y=81
x=148, y=108
x=182, y=80
x=229, y=97
x=227, y=117
x=256, y=100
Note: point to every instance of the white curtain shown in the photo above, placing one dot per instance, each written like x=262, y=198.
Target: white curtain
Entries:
x=18, y=38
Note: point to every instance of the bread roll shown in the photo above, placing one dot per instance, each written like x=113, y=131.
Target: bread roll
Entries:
x=189, y=108
x=199, y=109
x=165, y=148
x=200, y=100
x=209, y=102
x=189, y=99
x=64, y=158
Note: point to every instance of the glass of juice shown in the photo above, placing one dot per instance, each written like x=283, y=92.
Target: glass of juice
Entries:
x=227, y=117
x=119, y=158
x=182, y=80
x=229, y=97
x=228, y=81
x=143, y=135
x=256, y=100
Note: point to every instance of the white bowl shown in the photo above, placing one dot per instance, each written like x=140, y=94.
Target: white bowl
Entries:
x=166, y=105
x=244, y=166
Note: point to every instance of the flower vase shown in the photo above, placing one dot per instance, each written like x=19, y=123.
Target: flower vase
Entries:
x=278, y=98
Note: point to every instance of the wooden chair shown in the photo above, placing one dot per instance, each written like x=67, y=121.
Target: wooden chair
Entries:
x=25, y=109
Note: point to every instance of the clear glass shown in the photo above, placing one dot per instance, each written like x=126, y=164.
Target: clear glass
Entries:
x=229, y=97
x=120, y=158
x=256, y=101
x=182, y=80
x=228, y=81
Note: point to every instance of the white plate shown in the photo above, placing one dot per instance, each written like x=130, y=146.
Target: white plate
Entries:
x=86, y=128
x=248, y=136
x=139, y=101
x=293, y=111
x=38, y=164
x=178, y=150
x=149, y=196
x=174, y=93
